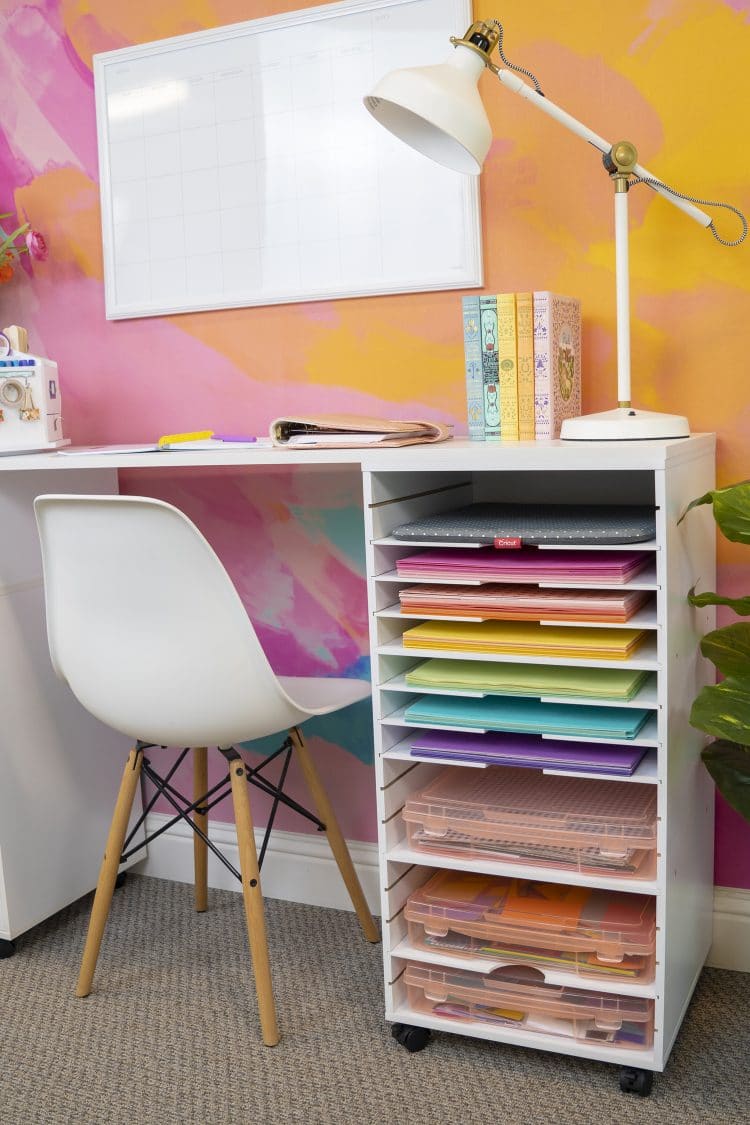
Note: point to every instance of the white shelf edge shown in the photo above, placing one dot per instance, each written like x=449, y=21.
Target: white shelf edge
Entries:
x=633, y=1056
x=402, y=853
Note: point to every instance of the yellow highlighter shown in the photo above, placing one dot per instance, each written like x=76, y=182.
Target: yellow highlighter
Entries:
x=197, y=435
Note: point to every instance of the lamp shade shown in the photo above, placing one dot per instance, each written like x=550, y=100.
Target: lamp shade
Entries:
x=437, y=110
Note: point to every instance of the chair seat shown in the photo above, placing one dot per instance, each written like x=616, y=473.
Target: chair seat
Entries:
x=319, y=695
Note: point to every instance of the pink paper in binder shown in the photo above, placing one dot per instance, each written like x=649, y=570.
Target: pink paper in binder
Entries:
x=527, y=564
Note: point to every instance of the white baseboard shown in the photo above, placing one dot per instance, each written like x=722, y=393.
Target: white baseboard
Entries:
x=731, y=944
x=299, y=867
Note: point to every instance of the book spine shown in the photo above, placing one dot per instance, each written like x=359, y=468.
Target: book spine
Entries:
x=508, y=365
x=473, y=368
x=490, y=381
x=525, y=340
x=542, y=374
x=565, y=360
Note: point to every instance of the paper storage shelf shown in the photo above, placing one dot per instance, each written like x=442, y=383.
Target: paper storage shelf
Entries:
x=601, y=934
x=564, y=822
x=515, y=997
x=631, y=836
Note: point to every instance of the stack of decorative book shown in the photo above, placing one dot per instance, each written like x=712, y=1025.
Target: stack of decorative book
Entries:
x=523, y=364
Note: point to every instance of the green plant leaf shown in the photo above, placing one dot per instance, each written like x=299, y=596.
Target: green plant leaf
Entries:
x=729, y=766
x=731, y=510
x=723, y=710
x=740, y=606
x=706, y=498
x=729, y=648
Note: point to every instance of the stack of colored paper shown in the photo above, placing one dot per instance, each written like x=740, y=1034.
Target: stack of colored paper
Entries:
x=526, y=751
x=618, y=684
x=526, y=564
x=527, y=715
x=525, y=638
x=510, y=602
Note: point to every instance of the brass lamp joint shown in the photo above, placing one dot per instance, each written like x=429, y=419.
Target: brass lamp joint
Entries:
x=620, y=162
x=482, y=38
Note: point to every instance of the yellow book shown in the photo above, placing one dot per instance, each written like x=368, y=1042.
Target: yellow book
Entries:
x=508, y=365
x=525, y=346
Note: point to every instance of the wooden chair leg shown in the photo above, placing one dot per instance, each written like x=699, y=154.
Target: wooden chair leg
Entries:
x=253, y=898
x=335, y=837
x=200, y=851
x=108, y=871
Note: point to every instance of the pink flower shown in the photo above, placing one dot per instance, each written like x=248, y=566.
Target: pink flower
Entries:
x=36, y=246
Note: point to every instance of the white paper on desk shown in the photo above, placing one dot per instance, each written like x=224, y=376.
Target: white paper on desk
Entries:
x=213, y=444
x=91, y=450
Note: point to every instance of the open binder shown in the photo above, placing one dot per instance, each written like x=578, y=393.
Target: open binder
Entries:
x=353, y=431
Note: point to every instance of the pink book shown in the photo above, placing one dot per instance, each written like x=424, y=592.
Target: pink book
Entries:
x=557, y=362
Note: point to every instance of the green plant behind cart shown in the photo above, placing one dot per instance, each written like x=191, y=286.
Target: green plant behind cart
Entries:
x=723, y=709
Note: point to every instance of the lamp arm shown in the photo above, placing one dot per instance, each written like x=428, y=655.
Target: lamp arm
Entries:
x=516, y=85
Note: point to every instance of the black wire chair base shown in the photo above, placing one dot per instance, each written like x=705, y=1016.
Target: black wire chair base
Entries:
x=183, y=806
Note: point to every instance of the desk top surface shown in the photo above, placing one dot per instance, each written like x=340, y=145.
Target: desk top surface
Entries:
x=458, y=453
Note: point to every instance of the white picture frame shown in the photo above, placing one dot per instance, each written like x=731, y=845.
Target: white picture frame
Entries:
x=239, y=167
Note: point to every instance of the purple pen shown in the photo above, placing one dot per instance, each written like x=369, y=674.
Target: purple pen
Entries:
x=234, y=437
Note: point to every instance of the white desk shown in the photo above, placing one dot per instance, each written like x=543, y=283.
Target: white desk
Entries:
x=58, y=773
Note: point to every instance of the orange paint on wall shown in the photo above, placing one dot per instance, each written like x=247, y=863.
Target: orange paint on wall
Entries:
x=64, y=203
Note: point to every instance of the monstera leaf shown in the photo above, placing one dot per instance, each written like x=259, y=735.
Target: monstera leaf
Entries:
x=723, y=710
x=729, y=766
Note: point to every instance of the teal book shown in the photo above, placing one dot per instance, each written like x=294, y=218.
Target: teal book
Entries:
x=473, y=368
x=490, y=367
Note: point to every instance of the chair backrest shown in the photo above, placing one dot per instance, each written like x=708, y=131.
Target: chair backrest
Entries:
x=147, y=628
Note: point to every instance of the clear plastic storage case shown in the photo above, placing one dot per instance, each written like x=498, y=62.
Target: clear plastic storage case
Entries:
x=515, y=997
x=605, y=935
x=523, y=815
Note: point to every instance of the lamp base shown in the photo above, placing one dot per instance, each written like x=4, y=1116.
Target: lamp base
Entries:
x=625, y=424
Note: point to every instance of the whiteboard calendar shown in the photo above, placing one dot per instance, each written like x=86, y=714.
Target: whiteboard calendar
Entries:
x=239, y=167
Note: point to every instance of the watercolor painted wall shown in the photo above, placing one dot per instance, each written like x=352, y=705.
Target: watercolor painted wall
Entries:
x=293, y=544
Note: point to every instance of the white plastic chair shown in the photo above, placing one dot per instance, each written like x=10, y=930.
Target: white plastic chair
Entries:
x=147, y=629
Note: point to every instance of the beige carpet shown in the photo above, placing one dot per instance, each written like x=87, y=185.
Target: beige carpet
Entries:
x=170, y=1034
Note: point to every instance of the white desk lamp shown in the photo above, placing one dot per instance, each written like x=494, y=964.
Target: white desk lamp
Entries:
x=437, y=110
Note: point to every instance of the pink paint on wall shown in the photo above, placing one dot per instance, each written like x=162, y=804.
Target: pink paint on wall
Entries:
x=618, y=67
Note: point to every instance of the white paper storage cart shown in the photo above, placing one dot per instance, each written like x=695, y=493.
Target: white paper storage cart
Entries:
x=508, y=984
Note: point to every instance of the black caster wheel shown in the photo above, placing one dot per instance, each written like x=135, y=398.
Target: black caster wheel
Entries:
x=7, y=948
x=120, y=880
x=635, y=1081
x=413, y=1038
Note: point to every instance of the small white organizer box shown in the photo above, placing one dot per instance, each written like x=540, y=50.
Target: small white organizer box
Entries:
x=30, y=404
x=556, y=1002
